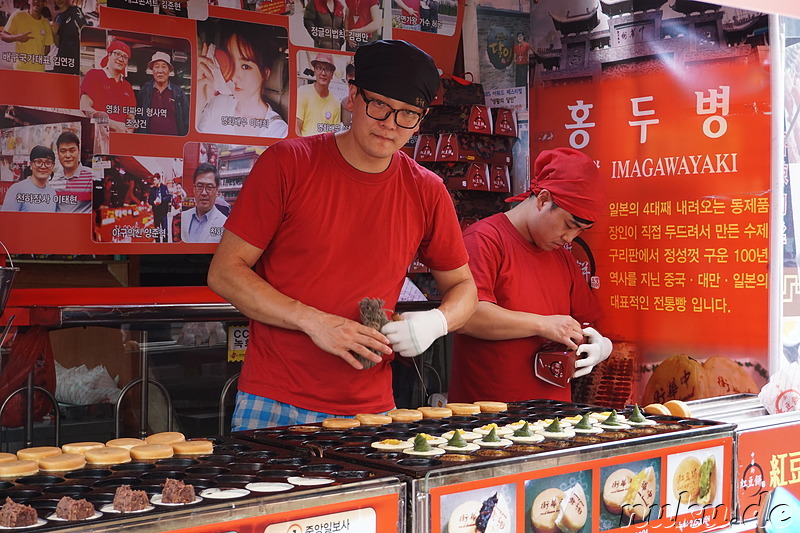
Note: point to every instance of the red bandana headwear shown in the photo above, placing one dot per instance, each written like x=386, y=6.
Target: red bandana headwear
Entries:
x=573, y=181
x=116, y=44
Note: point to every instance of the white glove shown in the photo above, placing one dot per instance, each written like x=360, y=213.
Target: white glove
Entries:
x=597, y=350
x=415, y=332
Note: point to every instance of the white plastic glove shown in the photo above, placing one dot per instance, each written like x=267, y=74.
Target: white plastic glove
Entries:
x=597, y=350
x=415, y=332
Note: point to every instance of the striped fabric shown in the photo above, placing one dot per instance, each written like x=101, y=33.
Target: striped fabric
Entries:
x=254, y=412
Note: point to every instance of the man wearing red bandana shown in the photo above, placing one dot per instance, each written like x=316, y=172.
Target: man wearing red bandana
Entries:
x=106, y=92
x=530, y=288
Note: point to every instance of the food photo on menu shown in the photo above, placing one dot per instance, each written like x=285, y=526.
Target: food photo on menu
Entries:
x=630, y=493
x=559, y=504
x=135, y=83
x=489, y=510
x=693, y=480
x=242, y=79
x=132, y=200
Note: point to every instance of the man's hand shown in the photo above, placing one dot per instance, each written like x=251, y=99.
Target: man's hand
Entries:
x=597, y=350
x=21, y=37
x=416, y=331
x=562, y=329
x=342, y=337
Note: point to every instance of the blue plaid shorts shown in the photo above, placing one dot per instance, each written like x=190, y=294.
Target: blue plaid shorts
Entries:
x=254, y=412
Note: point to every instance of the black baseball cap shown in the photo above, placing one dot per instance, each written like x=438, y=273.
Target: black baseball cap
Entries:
x=397, y=69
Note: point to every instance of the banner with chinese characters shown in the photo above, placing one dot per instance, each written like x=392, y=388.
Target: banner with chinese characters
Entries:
x=765, y=461
x=674, y=106
x=128, y=126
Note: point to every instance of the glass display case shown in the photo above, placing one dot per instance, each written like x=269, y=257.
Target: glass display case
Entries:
x=192, y=354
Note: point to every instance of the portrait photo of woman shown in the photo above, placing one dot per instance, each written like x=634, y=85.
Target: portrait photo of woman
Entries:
x=241, y=72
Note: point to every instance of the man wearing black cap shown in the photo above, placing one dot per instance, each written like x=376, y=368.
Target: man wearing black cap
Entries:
x=34, y=194
x=326, y=221
x=530, y=288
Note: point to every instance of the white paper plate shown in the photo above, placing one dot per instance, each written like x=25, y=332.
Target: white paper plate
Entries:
x=224, y=494
x=264, y=486
x=39, y=522
x=97, y=514
x=109, y=508
x=470, y=447
x=156, y=499
x=309, y=481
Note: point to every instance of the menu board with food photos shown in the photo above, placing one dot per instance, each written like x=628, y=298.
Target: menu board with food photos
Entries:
x=121, y=121
x=686, y=487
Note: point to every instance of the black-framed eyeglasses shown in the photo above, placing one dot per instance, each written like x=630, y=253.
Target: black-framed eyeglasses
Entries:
x=379, y=110
x=120, y=55
x=43, y=163
x=324, y=69
x=205, y=187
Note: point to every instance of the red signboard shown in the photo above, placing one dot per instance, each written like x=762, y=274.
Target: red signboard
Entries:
x=766, y=458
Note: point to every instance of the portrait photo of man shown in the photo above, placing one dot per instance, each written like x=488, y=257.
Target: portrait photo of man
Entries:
x=34, y=193
x=31, y=34
x=136, y=83
x=318, y=108
x=107, y=91
x=165, y=104
x=204, y=222
x=74, y=183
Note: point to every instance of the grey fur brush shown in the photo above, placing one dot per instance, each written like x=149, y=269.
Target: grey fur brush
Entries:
x=374, y=316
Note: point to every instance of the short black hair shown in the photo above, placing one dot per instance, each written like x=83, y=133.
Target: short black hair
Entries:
x=68, y=137
x=205, y=168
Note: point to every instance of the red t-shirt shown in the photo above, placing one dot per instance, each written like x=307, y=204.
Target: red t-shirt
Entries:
x=334, y=235
x=105, y=92
x=359, y=13
x=166, y=124
x=517, y=275
x=521, y=52
x=411, y=20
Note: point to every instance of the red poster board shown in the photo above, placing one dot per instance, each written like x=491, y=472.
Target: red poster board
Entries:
x=766, y=458
x=681, y=134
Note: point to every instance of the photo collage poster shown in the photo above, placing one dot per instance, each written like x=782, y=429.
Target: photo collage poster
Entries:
x=123, y=122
